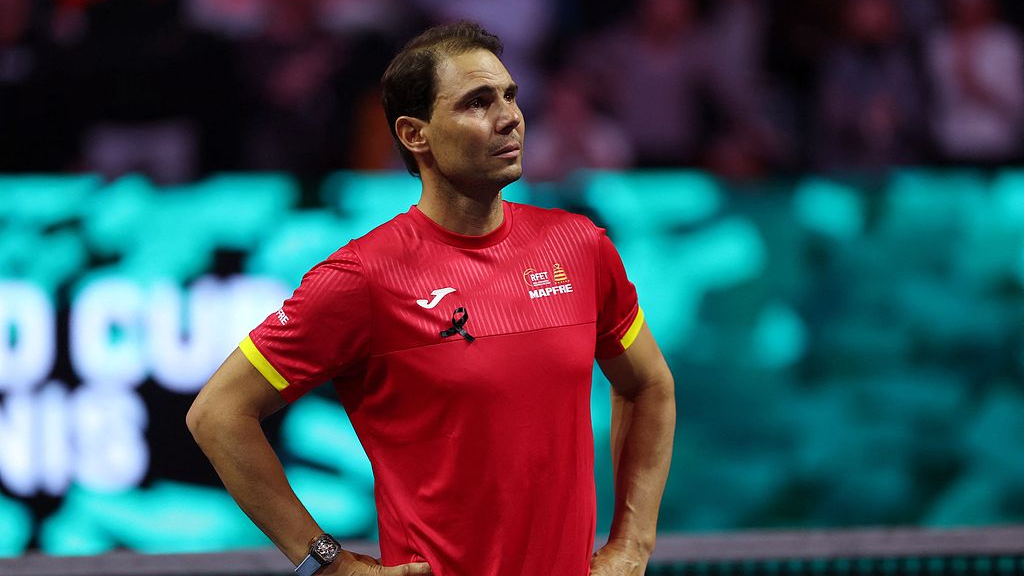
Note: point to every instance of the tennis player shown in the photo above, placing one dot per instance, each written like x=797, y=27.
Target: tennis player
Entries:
x=460, y=338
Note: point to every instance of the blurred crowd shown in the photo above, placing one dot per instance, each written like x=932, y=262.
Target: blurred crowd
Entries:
x=178, y=89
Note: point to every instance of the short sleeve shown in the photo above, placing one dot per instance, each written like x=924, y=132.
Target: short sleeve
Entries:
x=619, y=317
x=321, y=331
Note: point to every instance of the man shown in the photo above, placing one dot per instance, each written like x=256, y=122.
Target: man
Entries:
x=460, y=337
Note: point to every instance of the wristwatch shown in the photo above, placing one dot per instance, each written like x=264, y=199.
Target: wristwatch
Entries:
x=322, y=551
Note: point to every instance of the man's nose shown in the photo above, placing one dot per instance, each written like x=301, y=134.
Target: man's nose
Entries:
x=510, y=119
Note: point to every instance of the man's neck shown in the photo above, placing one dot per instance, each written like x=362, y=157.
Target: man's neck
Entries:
x=470, y=214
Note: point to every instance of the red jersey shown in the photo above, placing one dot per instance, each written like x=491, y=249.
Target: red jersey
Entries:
x=465, y=366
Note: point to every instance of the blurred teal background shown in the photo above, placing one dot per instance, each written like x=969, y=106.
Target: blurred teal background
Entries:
x=847, y=352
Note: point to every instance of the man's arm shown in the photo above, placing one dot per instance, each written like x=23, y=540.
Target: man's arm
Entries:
x=225, y=422
x=643, y=426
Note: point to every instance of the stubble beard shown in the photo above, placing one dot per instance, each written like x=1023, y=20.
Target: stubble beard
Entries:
x=485, y=186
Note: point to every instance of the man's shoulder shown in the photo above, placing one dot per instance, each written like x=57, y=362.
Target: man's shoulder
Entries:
x=552, y=216
x=567, y=226
x=390, y=236
x=351, y=257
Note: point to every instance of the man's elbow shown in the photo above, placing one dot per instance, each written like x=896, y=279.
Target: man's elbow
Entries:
x=666, y=390
x=661, y=385
x=193, y=420
x=670, y=400
x=660, y=395
x=198, y=420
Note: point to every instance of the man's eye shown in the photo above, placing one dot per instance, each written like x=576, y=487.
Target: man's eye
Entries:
x=476, y=103
x=509, y=97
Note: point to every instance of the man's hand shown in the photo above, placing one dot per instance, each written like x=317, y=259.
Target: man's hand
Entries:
x=351, y=564
x=615, y=559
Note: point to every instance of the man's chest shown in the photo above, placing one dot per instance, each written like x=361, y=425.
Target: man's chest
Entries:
x=461, y=293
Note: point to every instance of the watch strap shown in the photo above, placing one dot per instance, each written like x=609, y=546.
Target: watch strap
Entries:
x=308, y=567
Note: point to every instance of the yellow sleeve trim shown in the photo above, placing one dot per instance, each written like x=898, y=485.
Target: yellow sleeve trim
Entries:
x=261, y=364
x=634, y=330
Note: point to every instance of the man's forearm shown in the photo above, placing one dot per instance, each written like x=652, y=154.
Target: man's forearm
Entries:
x=643, y=427
x=252, y=474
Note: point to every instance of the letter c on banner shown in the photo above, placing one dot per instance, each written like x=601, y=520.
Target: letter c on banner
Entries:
x=108, y=334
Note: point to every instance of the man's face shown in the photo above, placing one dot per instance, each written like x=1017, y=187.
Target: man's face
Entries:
x=476, y=129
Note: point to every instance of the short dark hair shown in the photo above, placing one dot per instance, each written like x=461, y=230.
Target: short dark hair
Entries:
x=409, y=85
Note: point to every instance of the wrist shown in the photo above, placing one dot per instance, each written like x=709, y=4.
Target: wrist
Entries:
x=323, y=550
x=637, y=545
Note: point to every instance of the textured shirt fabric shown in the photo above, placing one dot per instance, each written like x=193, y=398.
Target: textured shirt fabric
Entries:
x=482, y=451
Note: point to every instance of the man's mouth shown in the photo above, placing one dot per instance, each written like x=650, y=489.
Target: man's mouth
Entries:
x=510, y=150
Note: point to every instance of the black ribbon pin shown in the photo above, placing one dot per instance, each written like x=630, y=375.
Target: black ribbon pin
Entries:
x=457, y=325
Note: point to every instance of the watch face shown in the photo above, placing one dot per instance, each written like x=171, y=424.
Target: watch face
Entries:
x=325, y=549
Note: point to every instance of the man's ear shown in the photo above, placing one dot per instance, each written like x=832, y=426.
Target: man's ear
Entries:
x=411, y=134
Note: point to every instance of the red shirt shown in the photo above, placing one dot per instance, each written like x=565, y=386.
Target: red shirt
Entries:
x=482, y=451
